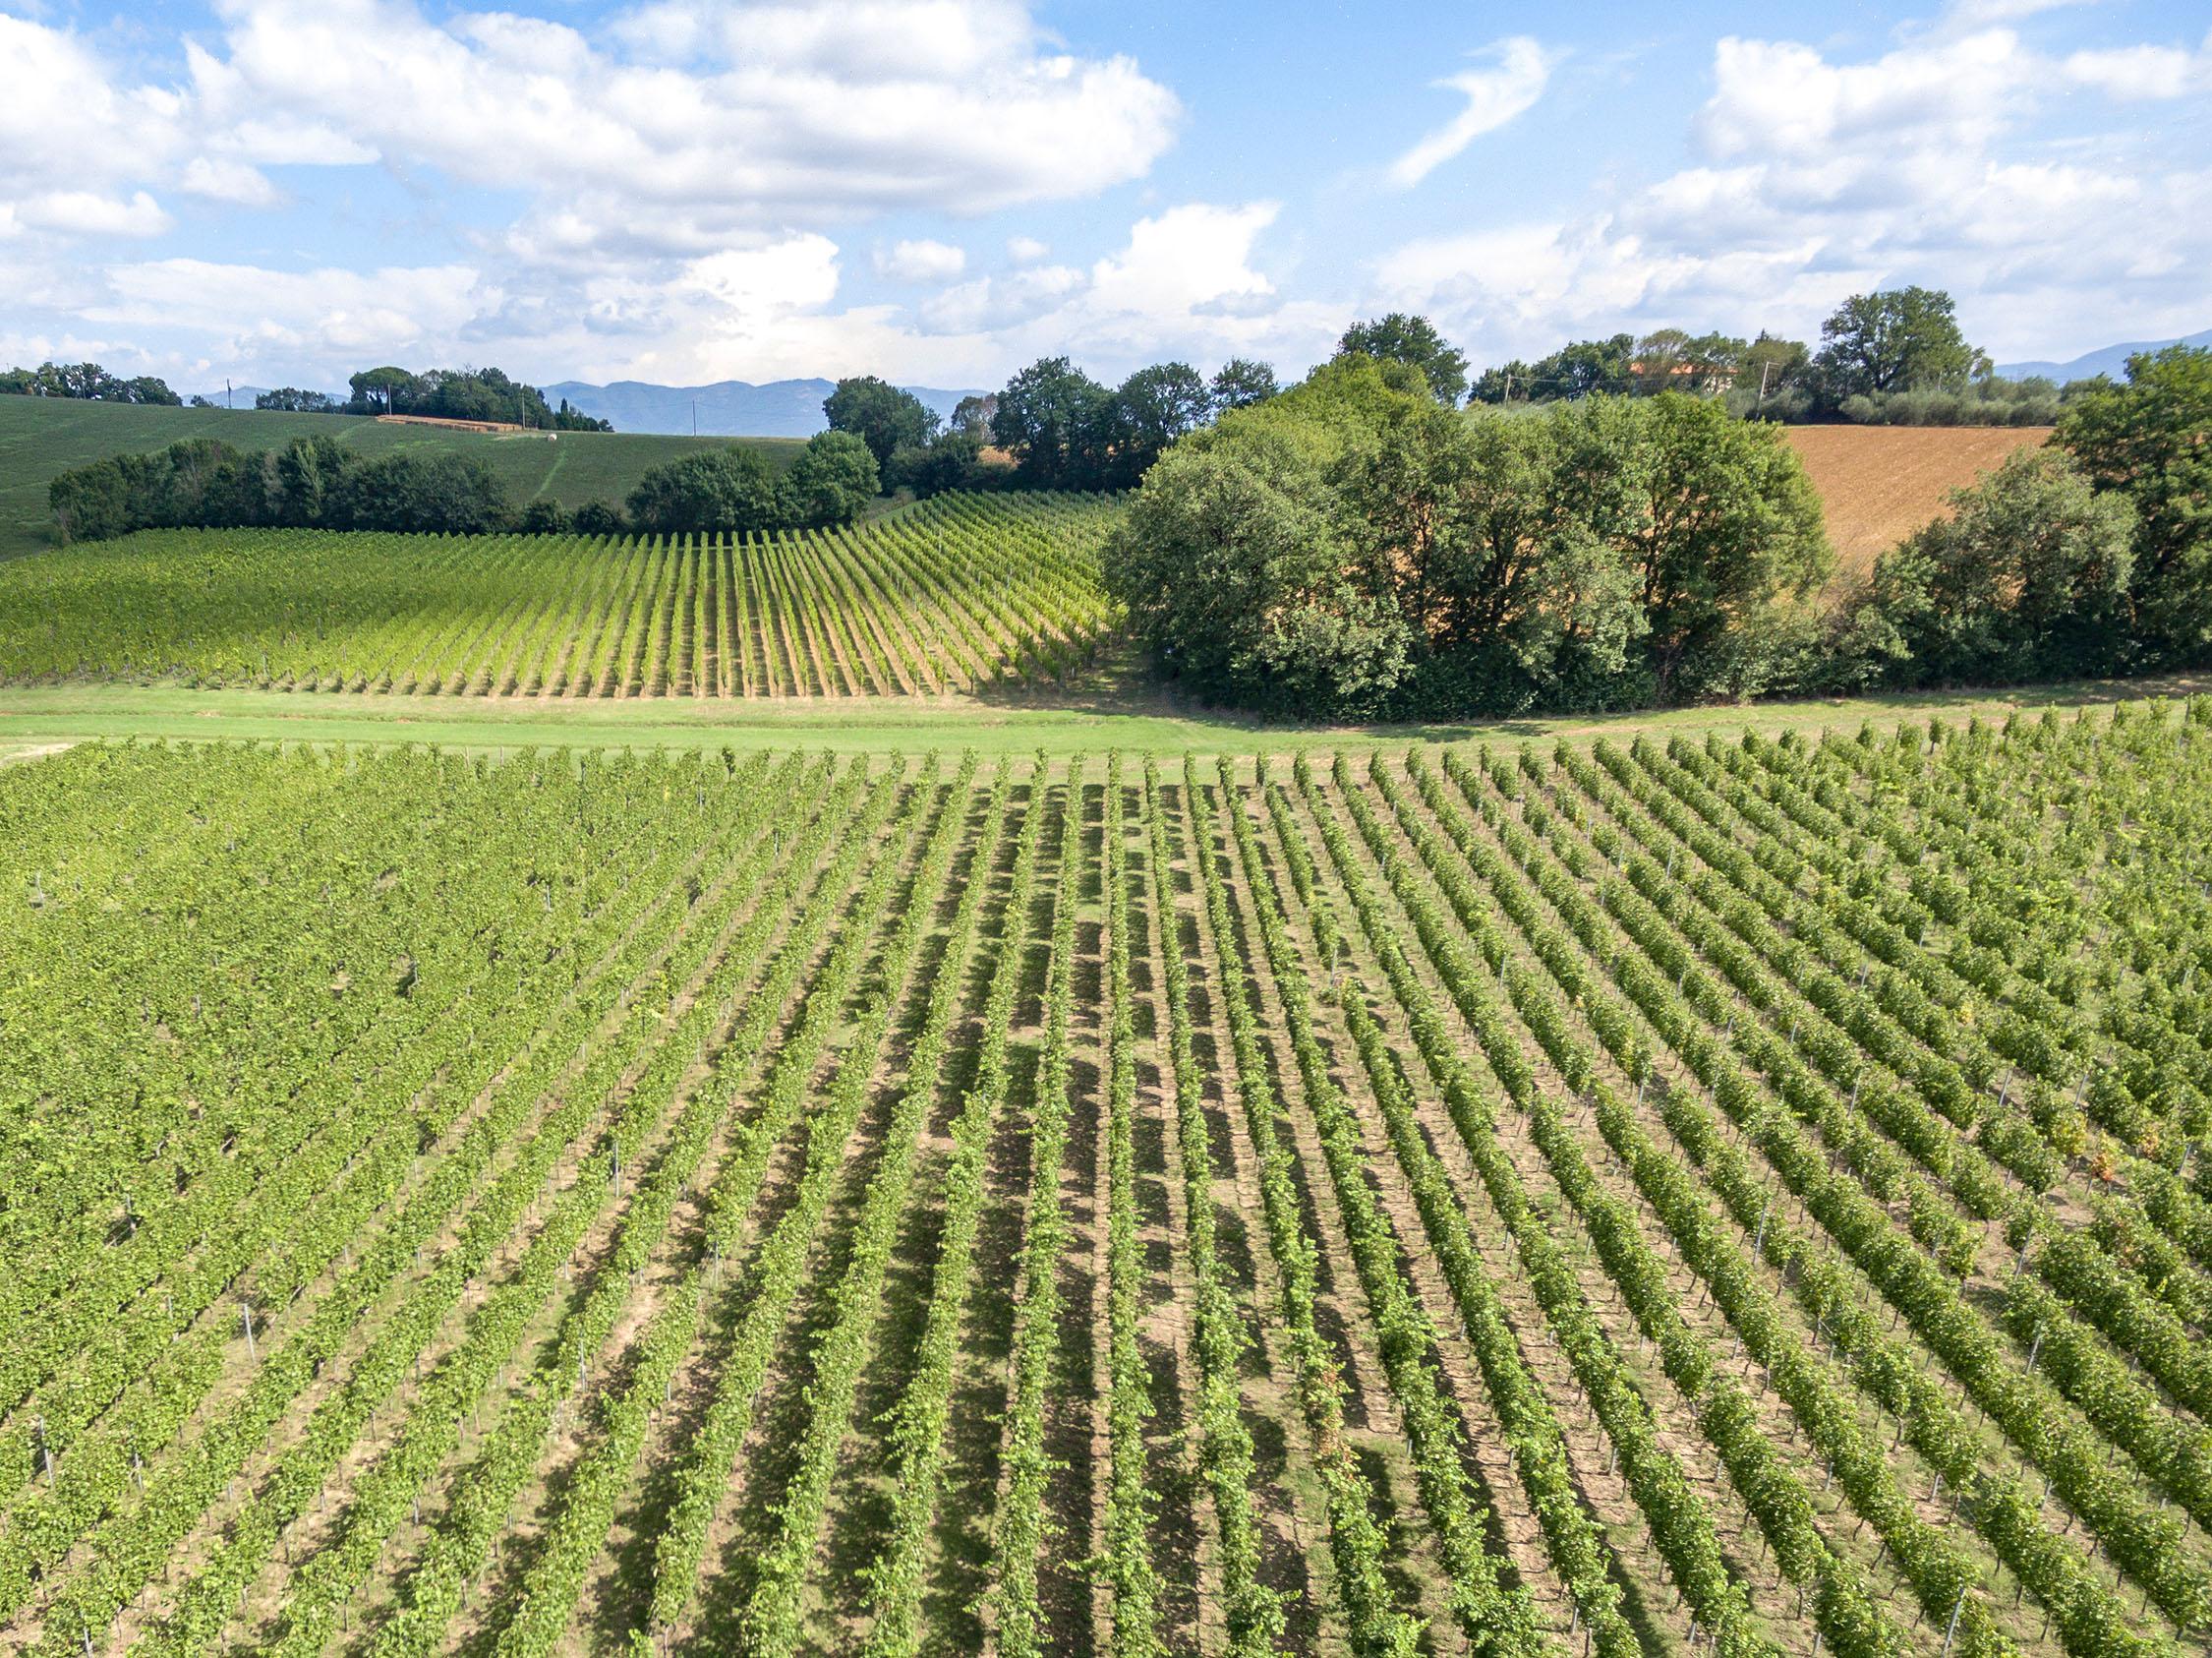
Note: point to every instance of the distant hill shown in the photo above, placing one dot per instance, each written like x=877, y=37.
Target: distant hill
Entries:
x=43, y=435
x=240, y=396
x=2110, y=360
x=728, y=408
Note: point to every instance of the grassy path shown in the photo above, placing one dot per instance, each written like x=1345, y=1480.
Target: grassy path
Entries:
x=36, y=716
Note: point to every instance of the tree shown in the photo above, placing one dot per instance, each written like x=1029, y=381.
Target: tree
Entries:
x=290, y=399
x=1583, y=369
x=1727, y=526
x=972, y=416
x=1241, y=381
x=1403, y=339
x=1673, y=360
x=831, y=481
x=725, y=490
x=421, y=491
x=306, y=474
x=88, y=381
x=569, y=418
x=880, y=415
x=1153, y=407
x=599, y=518
x=1588, y=367
x=2147, y=441
x=2025, y=577
x=1904, y=340
x=382, y=391
x=1771, y=366
x=542, y=517
x=1662, y=361
x=951, y=460
x=1053, y=419
x=1236, y=577
x=485, y=394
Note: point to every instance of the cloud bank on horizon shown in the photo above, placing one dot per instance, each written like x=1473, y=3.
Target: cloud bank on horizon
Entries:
x=942, y=190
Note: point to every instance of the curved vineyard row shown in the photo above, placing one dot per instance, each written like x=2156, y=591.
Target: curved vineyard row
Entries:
x=943, y=595
x=1746, y=1198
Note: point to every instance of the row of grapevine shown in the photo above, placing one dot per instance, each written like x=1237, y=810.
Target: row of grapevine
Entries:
x=1621, y=1198
x=936, y=596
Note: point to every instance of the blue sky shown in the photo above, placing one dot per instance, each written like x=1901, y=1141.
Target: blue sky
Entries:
x=280, y=191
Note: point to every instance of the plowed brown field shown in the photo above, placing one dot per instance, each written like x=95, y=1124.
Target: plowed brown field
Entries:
x=1879, y=484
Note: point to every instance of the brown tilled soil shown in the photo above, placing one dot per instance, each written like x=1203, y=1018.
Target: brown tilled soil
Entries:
x=1878, y=483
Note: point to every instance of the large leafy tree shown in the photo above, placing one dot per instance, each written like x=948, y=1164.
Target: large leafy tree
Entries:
x=389, y=388
x=1401, y=337
x=307, y=473
x=1585, y=367
x=1726, y=527
x=715, y=490
x=291, y=399
x=880, y=415
x=2151, y=440
x=1903, y=340
x=1056, y=421
x=1241, y=381
x=1499, y=541
x=972, y=416
x=1154, y=407
x=831, y=481
x=1235, y=572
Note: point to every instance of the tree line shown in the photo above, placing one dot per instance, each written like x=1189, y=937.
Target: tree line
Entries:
x=320, y=483
x=486, y=395
x=1897, y=358
x=87, y=381
x=1358, y=547
x=1057, y=428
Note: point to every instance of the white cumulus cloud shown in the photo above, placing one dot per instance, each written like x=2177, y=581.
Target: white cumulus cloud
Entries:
x=921, y=260
x=1825, y=175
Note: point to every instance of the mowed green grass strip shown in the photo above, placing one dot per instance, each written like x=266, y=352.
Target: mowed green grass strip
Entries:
x=1115, y=711
x=40, y=437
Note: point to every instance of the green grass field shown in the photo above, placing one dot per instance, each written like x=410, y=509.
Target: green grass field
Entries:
x=1115, y=710
x=43, y=435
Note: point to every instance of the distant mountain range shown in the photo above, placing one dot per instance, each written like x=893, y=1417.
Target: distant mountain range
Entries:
x=238, y=396
x=2111, y=360
x=728, y=408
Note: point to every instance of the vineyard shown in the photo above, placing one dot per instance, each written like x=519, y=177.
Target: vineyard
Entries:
x=1742, y=1196
x=946, y=595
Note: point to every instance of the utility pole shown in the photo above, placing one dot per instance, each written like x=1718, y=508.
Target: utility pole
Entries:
x=228, y=403
x=1763, y=369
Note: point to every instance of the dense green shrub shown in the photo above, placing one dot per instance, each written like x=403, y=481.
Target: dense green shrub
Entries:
x=1354, y=548
x=2028, y=577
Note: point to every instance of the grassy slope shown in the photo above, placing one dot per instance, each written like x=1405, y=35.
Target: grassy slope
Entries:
x=43, y=435
x=1014, y=724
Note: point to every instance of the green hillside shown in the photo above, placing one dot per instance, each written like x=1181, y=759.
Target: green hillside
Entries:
x=43, y=435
